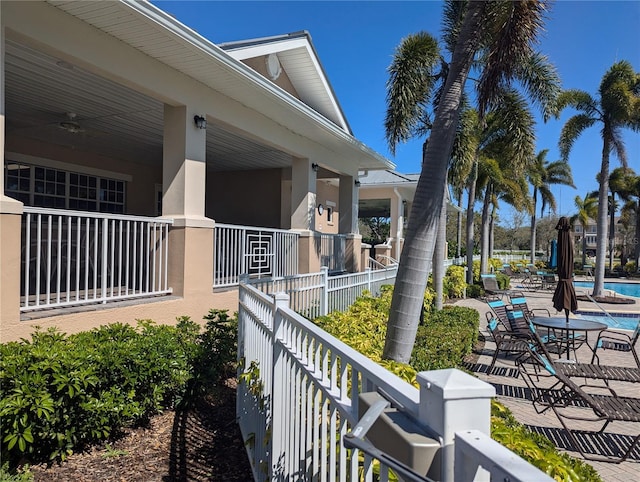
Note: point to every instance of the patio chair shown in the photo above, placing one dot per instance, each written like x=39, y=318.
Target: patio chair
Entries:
x=570, y=402
x=506, y=342
x=548, y=281
x=531, y=281
x=490, y=285
x=518, y=301
x=507, y=270
x=618, y=341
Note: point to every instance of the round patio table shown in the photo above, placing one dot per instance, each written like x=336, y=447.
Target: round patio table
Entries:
x=574, y=324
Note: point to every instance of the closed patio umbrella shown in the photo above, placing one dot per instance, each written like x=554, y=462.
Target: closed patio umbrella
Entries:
x=564, y=297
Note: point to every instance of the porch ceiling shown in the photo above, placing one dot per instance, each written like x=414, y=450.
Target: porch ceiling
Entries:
x=112, y=119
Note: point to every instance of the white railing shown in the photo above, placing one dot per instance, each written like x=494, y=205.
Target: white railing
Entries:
x=317, y=294
x=332, y=249
x=74, y=258
x=260, y=252
x=299, y=394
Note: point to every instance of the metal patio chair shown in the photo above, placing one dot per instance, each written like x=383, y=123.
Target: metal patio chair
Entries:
x=506, y=342
x=570, y=402
x=618, y=341
x=491, y=287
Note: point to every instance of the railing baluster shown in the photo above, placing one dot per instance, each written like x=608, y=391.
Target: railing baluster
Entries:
x=94, y=267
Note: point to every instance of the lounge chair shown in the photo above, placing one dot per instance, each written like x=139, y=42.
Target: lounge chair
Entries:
x=548, y=281
x=531, y=281
x=490, y=285
x=505, y=342
x=507, y=270
x=570, y=402
x=614, y=340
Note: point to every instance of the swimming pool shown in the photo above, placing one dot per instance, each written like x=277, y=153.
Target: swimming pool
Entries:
x=624, y=321
x=626, y=289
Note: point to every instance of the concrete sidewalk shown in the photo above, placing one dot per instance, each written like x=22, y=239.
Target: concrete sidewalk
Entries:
x=509, y=387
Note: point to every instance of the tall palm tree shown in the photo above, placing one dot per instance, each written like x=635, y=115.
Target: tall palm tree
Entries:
x=616, y=107
x=617, y=185
x=503, y=33
x=627, y=185
x=542, y=174
x=587, y=209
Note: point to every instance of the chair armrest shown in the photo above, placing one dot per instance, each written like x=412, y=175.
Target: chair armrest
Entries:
x=533, y=311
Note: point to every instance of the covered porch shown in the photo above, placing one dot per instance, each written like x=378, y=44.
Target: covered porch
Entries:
x=131, y=157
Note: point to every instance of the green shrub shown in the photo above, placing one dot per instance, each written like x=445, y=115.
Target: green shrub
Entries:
x=60, y=393
x=445, y=338
x=21, y=475
x=537, y=449
x=630, y=268
x=503, y=280
x=454, y=283
x=474, y=291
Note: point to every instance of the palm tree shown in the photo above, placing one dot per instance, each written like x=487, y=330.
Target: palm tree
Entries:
x=503, y=33
x=627, y=185
x=542, y=174
x=587, y=209
x=616, y=107
x=617, y=185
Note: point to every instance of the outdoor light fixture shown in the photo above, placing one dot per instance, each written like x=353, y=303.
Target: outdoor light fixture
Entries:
x=201, y=122
x=315, y=167
x=357, y=183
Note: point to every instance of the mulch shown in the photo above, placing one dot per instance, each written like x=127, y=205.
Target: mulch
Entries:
x=202, y=443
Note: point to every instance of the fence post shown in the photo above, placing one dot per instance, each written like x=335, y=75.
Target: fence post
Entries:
x=279, y=385
x=452, y=401
x=324, y=302
x=368, y=271
x=103, y=274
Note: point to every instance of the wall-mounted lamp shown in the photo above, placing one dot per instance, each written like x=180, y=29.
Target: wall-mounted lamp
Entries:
x=315, y=167
x=201, y=122
x=357, y=183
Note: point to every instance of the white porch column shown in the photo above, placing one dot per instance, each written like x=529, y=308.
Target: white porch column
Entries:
x=303, y=195
x=303, y=214
x=348, y=222
x=184, y=184
x=397, y=223
x=10, y=234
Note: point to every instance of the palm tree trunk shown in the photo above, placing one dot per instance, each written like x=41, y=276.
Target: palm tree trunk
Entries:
x=492, y=223
x=439, y=255
x=471, y=200
x=459, y=232
x=601, y=230
x=533, y=227
x=484, y=236
x=612, y=229
x=636, y=250
x=584, y=245
x=411, y=280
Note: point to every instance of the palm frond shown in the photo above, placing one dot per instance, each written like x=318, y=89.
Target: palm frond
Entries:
x=542, y=83
x=571, y=131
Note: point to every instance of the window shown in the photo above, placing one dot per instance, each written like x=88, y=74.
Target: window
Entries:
x=578, y=229
x=56, y=188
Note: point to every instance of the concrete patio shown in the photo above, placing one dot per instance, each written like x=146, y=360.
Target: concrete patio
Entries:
x=510, y=389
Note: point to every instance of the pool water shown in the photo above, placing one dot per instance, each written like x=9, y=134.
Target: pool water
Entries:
x=625, y=289
x=623, y=321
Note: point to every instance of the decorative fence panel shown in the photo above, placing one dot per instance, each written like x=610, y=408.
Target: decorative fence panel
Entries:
x=259, y=252
x=332, y=248
x=74, y=258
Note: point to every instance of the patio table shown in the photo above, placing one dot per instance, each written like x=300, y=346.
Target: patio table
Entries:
x=571, y=327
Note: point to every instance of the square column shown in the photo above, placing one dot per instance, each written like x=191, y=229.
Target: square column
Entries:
x=303, y=195
x=348, y=223
x=184, y=184
x=397, y=223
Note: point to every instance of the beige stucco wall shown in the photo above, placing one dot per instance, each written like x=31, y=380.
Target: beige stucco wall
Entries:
x=90, y=317
x=325, y=191
x=140, y=194
x=248, y=198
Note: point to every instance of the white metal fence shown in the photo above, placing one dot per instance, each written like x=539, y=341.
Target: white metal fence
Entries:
x=74, y=258
x=260, y=252
x=332, y=249
x=298, y=397
x=317, y=294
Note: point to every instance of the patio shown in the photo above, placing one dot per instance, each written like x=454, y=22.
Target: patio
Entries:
x=511, y=391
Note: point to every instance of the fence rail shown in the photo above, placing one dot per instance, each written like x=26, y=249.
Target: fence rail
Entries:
x=317, y=294
x=260, y=252
x=74, y=258
x=299, y=394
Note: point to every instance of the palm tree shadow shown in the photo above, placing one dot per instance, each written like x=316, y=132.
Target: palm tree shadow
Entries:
x=206, y=443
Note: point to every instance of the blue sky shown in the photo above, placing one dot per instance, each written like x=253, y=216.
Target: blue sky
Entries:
x=355, y=41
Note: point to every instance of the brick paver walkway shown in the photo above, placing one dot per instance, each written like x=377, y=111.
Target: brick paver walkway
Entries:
x=510, y=390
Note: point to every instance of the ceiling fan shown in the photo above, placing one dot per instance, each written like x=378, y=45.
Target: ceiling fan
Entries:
x=70, y=124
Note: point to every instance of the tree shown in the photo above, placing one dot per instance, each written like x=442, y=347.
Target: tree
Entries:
x=616, y=107
x=542, y=174
x=587, y=209
x=617, y=185
x=503, y=34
